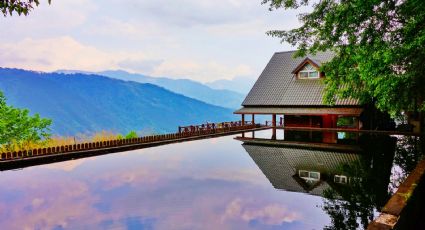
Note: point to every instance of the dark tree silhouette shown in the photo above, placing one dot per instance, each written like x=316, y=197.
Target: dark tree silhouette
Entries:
x=21, y=7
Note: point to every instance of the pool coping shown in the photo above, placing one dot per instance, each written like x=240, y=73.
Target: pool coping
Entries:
x=393, y=209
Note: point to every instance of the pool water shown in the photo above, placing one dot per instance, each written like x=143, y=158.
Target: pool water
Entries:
x=217, y=183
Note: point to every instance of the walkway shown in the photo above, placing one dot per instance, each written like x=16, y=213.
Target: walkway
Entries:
x=26, y=158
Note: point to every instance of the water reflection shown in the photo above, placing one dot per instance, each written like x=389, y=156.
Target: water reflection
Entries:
x=354, y=173
x=209, y=184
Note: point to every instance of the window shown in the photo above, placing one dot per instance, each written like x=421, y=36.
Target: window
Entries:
x=340, y=179
x=307, y=175
x=302, y=173
x=308, y=72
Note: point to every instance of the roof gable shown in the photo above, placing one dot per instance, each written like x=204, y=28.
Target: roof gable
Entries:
x=277, y=85
x=304, y=63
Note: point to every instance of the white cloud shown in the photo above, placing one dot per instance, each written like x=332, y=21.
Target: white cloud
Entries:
x=271, y=214
x=140, y=66
x=52, y=54
x=203, y=72
x=186, y=13
x=203, y=40
x=67, y=53
x=47, y=20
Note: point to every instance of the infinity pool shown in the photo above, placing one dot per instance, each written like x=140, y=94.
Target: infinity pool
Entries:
x=219, y=183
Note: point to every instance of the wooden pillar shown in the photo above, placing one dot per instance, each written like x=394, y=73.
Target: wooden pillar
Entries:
x=274, y=126
x=334, y=121
x=329, y=121
x=311, y=125
x=358, y=123
x=243, y=119
x=253, y=119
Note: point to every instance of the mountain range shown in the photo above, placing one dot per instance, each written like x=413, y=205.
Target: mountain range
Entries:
x=216, y=94
x=83, y=103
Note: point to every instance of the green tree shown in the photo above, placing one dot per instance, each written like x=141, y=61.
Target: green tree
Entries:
x=18, y=6
x=17, y=127
x=379, y=48
x=131, y=134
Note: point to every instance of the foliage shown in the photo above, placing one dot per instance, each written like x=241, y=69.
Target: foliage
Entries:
x=54, y=141
x=131, y=134
x=18, y=6
x=408, y=154
x=98, y=136
x=346, y=122
x=379, y=48
x=352, y=204
x=18, y=128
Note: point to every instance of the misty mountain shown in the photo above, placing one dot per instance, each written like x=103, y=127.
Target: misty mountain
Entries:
x=240, y=85
x=220, y=97
x=89, y=103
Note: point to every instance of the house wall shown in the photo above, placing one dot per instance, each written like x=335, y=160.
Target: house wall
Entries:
x=323, y=121
x=303, y=121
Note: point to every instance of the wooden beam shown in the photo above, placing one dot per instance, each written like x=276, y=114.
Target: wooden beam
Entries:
x=243, y=119
x=274, y=126
x=253, y=118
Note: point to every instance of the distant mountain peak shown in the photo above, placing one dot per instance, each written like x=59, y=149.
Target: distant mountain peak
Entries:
x=89, y=103
x=209, y=93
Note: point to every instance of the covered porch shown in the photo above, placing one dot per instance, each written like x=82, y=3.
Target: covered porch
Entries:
x=344, y=118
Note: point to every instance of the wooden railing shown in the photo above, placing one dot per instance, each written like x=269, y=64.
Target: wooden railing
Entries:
x=211, y=126
x=17, y=155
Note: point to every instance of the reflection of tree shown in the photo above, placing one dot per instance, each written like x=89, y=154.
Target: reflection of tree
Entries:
x=407, y=156
x=352, y=205
x=347, y=205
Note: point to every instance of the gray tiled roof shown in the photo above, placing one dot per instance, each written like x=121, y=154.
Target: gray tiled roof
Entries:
x=277, y=86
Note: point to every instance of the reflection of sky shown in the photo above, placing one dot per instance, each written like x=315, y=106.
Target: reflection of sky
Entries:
x=207, y=184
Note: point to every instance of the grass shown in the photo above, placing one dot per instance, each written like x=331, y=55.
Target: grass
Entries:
x=69, y=140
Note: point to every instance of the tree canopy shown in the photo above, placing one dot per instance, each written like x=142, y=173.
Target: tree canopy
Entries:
x=17, y=127
x=18, y=6
x=379, y=48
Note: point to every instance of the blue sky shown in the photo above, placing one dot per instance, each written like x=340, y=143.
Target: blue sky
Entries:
x=203, y=40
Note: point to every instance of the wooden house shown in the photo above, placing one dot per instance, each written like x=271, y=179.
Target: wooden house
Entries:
x=293, y=87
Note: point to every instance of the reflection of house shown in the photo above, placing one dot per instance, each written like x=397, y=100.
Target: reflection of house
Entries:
x=300, y=170
x=293, y=87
